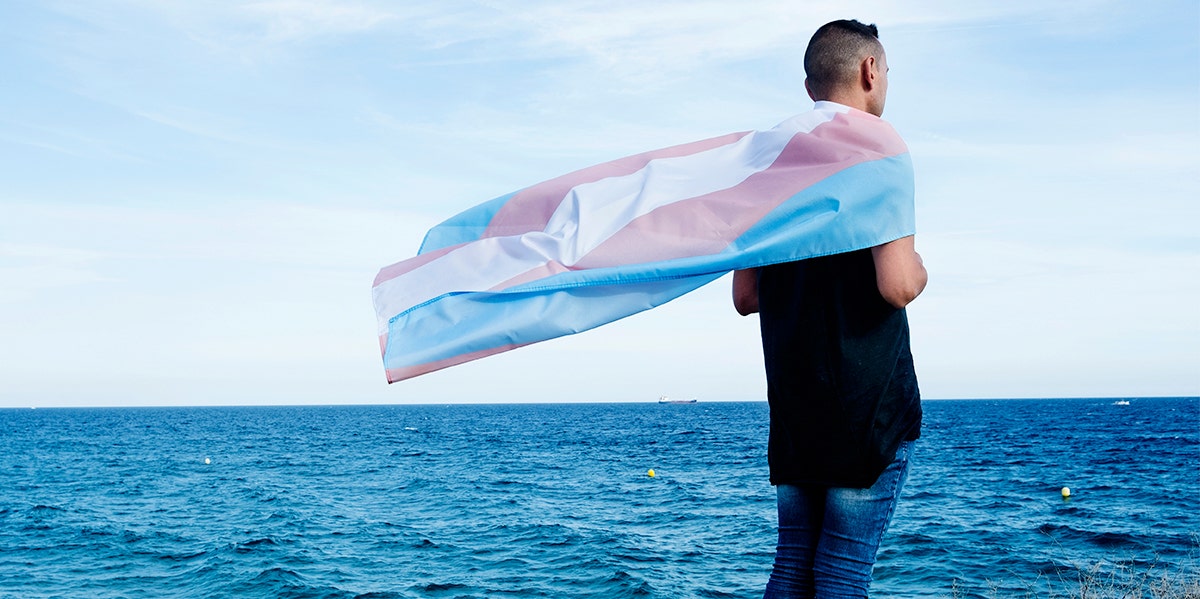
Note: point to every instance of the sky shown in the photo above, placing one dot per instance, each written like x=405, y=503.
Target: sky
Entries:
x=195, y=196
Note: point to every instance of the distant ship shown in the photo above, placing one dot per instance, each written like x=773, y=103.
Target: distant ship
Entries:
x=1121, y=402
x=665, y=399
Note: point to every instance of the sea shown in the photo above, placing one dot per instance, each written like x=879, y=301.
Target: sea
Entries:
x=556, y=500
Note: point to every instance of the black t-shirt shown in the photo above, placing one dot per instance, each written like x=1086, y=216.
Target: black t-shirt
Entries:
x=840, y=378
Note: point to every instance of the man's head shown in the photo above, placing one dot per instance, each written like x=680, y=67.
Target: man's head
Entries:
x=845, y=63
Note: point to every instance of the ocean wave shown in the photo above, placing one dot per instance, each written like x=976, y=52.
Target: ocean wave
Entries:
x=554, y=501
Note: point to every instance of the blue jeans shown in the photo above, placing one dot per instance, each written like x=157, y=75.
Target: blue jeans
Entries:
x=828, y=536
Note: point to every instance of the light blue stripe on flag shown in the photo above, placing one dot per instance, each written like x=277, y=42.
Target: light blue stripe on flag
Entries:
x=465, y=227
x=464, y=323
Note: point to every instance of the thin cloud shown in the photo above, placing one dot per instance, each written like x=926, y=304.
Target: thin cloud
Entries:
x=307, y=19
x=640, y=38
x=29, y=269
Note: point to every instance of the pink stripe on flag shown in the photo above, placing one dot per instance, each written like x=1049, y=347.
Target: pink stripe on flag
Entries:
x=707, y=224
x=388, y=273
x=549, y=269
x=408, y=372
x=531, y=208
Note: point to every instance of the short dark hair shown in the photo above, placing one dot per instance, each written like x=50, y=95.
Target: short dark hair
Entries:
x=834, y=53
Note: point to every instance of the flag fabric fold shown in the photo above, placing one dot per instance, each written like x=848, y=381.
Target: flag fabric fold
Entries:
x=612, y=240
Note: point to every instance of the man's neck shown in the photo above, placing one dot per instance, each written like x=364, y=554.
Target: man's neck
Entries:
x=856, y=101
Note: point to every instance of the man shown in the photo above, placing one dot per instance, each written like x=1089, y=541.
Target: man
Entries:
x=843, y=394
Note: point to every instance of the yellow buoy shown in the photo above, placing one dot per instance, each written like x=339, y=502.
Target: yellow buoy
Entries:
x=207, y=461
x=650, y=473
x=1066, y=492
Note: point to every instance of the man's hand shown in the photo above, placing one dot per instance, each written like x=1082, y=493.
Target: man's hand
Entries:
x=899, y=272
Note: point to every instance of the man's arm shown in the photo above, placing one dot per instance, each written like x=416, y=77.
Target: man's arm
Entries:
x=899, y=272
x=745, y=291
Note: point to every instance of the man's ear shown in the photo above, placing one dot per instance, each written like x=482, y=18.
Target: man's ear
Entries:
x=808, y=89
x=867, y=69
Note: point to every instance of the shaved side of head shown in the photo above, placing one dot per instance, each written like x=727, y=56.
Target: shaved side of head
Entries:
x=835, y=52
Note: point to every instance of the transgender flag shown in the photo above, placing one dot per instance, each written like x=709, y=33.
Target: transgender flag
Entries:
x=611, y=240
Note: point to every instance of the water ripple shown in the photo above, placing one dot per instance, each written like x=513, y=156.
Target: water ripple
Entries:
x=410, y=502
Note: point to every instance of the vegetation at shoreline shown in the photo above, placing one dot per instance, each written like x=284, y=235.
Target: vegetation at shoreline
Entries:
x=1106, y=580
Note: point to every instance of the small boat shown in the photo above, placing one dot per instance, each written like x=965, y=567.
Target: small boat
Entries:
x=665, y=399
x=1121, y=402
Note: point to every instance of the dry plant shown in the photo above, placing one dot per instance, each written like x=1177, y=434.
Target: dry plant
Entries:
x=1102, y=580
